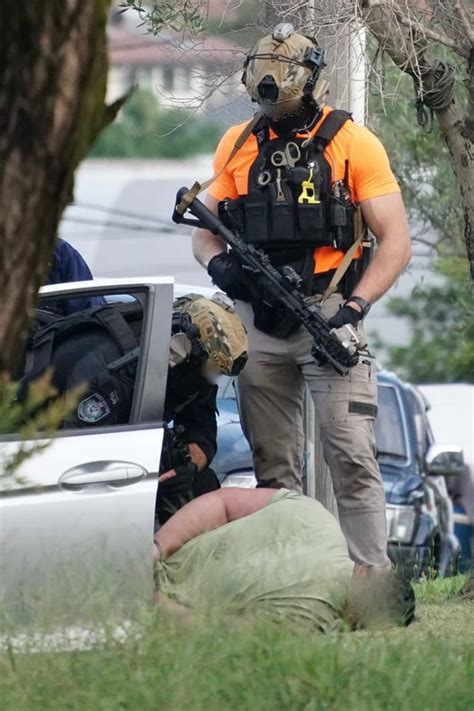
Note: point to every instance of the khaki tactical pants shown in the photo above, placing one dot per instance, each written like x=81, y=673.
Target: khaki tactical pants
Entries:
x=271, y=391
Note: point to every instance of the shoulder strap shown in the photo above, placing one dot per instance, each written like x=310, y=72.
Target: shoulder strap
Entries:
x=115, y=324
x=331, y=125
x=108, y=317
x=197, y=188
x=261, y=131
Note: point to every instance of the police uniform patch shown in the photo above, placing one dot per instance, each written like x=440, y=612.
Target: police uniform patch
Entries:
x=93, y=408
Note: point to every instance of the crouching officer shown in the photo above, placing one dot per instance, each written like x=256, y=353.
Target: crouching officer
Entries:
x=98, y=349
x=208, y=340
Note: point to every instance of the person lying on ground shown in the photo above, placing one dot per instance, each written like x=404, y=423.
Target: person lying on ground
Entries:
x=238, y=551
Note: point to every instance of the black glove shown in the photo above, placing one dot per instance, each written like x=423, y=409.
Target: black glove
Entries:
x=173, y=493
x=346, y=314
x=226, y=273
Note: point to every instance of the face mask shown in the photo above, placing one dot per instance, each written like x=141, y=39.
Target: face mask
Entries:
x=302, y=119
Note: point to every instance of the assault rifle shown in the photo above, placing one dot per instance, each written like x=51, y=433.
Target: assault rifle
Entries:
x=338, y=347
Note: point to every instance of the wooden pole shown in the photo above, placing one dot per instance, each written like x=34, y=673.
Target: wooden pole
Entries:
x=346, y=74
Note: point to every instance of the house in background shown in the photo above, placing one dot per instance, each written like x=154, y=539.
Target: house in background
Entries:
x=198, y=73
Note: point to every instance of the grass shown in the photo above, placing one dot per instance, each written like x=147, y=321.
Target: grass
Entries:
x=260, y=666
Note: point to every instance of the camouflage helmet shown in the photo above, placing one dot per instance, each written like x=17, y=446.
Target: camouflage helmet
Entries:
x=209, y=331
x=281, y=70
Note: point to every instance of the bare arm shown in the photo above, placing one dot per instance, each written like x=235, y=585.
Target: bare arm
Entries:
x=386, y=218
x=208, y=512
x=205, y=244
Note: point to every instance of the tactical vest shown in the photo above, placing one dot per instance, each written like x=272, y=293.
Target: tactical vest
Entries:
x=105, y=341
x=293, y=205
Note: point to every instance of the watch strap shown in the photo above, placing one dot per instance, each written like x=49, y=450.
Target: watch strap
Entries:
x=364, y=305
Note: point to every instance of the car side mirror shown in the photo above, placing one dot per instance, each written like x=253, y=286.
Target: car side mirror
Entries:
x=444, y=460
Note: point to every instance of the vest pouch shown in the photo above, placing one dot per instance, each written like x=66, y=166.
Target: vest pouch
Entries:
x=274, y=320
x=342, y=225
x=256, y=220
x=231, y=212
x=282, y=212
x=345, y=240
x=312, y=225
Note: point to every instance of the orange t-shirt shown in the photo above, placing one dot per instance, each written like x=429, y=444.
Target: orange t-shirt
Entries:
x=370, y=174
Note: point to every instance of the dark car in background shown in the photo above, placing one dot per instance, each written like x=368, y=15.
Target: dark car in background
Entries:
x=419, y=511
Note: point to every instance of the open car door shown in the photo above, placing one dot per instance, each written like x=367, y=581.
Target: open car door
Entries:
x=77, y=517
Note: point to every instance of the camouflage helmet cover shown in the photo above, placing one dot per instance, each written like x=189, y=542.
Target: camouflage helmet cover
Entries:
x=285, y=56
x=221, y=332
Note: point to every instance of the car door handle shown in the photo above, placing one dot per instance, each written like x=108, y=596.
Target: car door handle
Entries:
x=101, y=473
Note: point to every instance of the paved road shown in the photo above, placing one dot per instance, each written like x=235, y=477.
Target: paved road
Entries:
x=115, y=245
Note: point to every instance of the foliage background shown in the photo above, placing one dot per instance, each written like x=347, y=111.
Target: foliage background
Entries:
x=143, y=130
x=439, y=314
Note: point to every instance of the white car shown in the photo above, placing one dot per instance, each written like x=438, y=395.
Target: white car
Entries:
x=81, y=511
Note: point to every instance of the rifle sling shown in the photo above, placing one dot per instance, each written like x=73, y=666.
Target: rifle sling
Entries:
x=361, y=230
x=197, y=188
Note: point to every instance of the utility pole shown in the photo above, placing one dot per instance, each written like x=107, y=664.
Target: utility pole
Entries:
x=344, y=45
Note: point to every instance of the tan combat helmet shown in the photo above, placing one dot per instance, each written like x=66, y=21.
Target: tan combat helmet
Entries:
x=209, y=330
x=282, y=70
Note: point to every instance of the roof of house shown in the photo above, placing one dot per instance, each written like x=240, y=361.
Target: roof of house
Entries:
x=140, y=48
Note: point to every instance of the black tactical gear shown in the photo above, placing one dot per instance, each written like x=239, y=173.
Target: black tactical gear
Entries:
x=97, y=346
x=292, y=207
x=346, y=314
x=292, y=202
x=191, y=406
x=227, y=275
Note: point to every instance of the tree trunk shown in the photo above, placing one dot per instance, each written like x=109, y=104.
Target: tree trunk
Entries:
x=407, y=50
x=53, y=55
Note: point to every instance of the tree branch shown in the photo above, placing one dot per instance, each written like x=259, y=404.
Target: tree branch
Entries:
x=440, y=37
x=111, y=110
x=407, y=51
x=463, y=17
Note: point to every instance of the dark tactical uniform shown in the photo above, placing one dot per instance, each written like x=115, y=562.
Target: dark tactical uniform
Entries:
x=190, y=415
x=215, y=342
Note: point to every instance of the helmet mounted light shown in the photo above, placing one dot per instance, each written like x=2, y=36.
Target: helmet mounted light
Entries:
x=283, y=31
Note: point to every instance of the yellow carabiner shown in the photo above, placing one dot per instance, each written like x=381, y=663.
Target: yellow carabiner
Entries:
x=308, y=191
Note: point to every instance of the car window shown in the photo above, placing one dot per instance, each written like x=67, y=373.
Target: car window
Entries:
x=226, y=386
x=389, y=432
x=418, y=407
x=92, y=342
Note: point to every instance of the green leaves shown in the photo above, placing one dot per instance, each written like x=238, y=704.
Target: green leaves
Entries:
x=37, y=416
x=441, y=348
x=177, y=15
x=143, y=130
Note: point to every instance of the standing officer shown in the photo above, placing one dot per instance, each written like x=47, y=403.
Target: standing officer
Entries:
x=303, y=175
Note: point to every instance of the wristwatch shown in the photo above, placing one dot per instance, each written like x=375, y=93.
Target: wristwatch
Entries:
x=364, y=305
